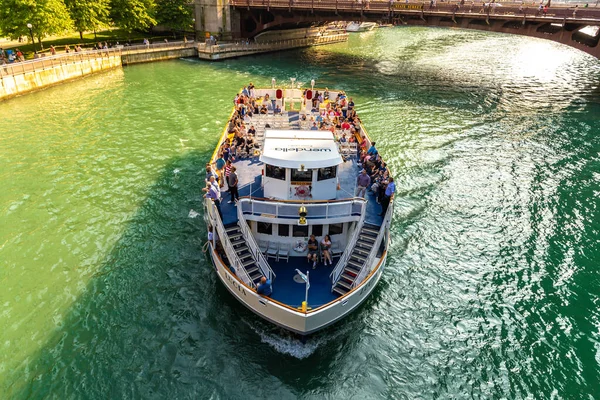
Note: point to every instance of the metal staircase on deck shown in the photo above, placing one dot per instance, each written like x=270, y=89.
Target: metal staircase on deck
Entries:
x=366, y=240
x=243, y=252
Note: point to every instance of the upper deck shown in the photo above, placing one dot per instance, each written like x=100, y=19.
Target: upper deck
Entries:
x=251, y=170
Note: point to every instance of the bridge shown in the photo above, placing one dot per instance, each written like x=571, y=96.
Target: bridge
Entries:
x=575, y=26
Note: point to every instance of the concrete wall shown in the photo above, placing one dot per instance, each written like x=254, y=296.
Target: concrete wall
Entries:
x=136, y=58
x=13, y=85
x=213, y=17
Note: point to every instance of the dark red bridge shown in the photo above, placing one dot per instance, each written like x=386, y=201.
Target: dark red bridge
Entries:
x=559, y=23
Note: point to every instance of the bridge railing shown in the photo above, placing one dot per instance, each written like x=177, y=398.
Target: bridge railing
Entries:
x=47, y=62
x=556, y=10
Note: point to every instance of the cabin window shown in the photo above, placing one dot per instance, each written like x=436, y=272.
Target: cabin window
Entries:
x=284, y=230
x=317, y=230
x=301, y=176
x=336, y=229
x=326, y=173
x=301, y=231
x=271, y=171
x=264, y=228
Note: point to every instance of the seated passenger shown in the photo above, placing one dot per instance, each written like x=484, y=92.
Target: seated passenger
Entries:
x=325, y=246
x=313, y=248
x=277, y=109
x=264, y=287
x=263, y=109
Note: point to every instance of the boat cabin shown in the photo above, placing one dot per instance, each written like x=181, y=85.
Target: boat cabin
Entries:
x=300, y=165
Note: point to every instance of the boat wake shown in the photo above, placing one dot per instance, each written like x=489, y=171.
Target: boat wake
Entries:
x=287, y=343
x=193, y=214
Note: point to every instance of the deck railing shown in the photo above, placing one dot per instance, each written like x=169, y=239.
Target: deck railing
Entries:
x=366, y=268
x=339, y=268
x=316, y=210
x=252, y=245
x=234, y=260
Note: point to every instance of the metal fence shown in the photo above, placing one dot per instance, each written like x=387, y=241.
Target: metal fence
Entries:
x=243, y=46
x=47, y=62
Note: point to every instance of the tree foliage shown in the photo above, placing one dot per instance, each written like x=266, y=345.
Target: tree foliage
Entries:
x=88, y=15
x=175, y=14
x=133, y=14
x=48, y=17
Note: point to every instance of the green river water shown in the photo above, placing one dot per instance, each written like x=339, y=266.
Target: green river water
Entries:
x=492, y=284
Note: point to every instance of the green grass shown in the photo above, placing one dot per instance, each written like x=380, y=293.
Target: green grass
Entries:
x=111, y=36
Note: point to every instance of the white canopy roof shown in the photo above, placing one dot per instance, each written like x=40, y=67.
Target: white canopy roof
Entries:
x=293, y=148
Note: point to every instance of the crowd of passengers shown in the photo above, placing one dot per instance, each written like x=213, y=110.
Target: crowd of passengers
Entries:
x=337, y=116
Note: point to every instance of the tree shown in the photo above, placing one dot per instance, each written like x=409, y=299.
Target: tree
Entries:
x=175, y=14
x=48, y=17
x=133, y=14
x=88, y=15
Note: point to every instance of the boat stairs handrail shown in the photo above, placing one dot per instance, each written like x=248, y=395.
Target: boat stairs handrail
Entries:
x=366, y=268
x=339, y=268
x=315, y=209
x=255, y=249
x=234, y=260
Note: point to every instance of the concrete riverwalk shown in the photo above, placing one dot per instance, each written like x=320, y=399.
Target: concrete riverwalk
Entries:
x=22, y=77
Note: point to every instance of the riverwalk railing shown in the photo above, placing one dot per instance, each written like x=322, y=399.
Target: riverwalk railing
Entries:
x=243, y=46
x=48, y=62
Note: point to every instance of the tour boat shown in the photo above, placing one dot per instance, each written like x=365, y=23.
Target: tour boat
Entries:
x=360, y=26
x=293, y=183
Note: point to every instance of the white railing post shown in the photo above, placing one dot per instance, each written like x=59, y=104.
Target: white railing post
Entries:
x=234, y=260
x=366, y=268
x=337, y=272
x=260, y=258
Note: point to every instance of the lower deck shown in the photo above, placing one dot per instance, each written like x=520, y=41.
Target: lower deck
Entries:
x=290, y=289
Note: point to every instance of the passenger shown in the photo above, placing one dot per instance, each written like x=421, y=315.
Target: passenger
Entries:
x=362, y=183
x=264, y=287
x=220, y=165
x=313, y=248
x=314, y=127
x=228, y=166
x=326, y=246
x=233, y=187
x=210, y=172
x=215, y=195
x=389, y=191
x=372, y=150
x=277, y=109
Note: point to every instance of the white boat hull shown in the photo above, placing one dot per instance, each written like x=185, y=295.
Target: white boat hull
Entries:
x=292, y=319
x=364, y=27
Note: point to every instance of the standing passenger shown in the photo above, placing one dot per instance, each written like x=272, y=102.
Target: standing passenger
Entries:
x=232, y=181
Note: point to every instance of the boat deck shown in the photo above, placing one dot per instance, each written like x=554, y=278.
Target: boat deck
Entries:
x=290, y=289
x=250, y=170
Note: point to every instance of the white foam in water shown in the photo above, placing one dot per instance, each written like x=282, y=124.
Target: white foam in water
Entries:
x=288, y=344
x=193, y=214
x=176, y=171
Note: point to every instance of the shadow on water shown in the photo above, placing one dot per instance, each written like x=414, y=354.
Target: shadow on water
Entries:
x=155, y=321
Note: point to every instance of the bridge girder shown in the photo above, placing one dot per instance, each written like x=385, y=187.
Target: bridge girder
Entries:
x=556, y=29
